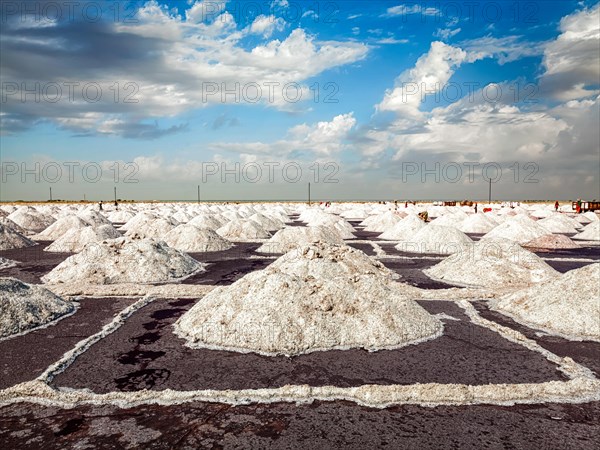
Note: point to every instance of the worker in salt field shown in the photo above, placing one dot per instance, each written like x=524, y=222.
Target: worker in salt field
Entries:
x=116, y=205
x=556, y=206
x=100, y=205
x=475, y=208
x=578, y=207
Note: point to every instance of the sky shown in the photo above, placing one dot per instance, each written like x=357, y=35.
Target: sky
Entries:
x=244, y=100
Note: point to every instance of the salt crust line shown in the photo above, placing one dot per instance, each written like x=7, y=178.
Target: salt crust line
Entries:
x=130, y=290
x=566, y=365
x=45, y=325
x=62, y=364
x=582, y=388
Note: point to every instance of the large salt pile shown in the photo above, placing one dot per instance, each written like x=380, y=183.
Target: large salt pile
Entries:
x=243, y=230
x=10, y=239
x=124, y=260
x=493, y=263
x=343, y=229
x=30, y=219
x=120, y=216
x=318, y=297
x=268, y=223
x=552, y=242
x=75, y=240
x=157, y=228
x=189, y=238
x=94, y=218
x=477, y=223
x=518, y=228
x=60, y=227
x=568, y=305
x=590, y=232
x=26, y=306
x=12, y=226
x=383, y=222
x=435, y=239
x=559, y=223
x=211, y=221
x=453, y=219
x=289, y=238
x=403, y=230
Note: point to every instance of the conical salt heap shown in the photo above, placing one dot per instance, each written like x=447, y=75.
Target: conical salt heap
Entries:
x=568, y=305
x=124, y=260
x=189, y=238
x=25, y=306
x=315, y=298
x=10, y=239
x=76, y=239
x=292, y=237
x=493, y=263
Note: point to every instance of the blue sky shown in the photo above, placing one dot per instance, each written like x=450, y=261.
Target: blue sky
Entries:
x=407, y=93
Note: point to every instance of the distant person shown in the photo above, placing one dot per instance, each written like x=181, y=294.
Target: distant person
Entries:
x=406, y=204
x=556, y=206
x=578, y=209
x=116, y=205
x=100, y=205
x=475, y=208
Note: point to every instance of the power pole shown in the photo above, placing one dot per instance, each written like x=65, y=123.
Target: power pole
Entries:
x=308, y=194
x=490, y=192
x=198, y=193
x=50, y=194
x=115, y=193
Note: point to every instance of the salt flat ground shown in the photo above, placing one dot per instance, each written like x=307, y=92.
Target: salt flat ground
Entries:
x=142, y=354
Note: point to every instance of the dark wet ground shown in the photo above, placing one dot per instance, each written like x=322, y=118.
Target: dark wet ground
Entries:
x=586, y=353
x=35, y=262
x=23, y=358
x=145, y=354
x=320, y=425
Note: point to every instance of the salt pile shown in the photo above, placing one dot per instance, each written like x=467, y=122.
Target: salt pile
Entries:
x=354, y=214
x=124, y=260
x=26, y=306
x=520, y=229
x=7, y=263
x=559, y=223
x=210, y=221
x=189, y=238
x=12, y=226
x=404, y=229
x=342, y=228
x=552, y=242
x=436, y=239
x=120, y=216
x=60, y=227
x=289, y=238
x=592, y=216
x=319, y=297
x=453, y=219
x=590, y=232
x=267, y=223
x=151, y=228
x=568, y=305
x=10, y=239
x=493, y=263
x=383, y=222
x=30, y=219
x=75, y=240
x=94, y=218
x=477, y=223
x=242, y=230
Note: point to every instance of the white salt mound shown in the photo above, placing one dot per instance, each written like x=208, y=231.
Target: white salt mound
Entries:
x=559, y=223
x=125, y=260
x=520, y=230
x=242, y=230
x=493, y=263
x=31, y=220
x=568, y=305
x=12, y=226
x=60, y=227
x=552, y=242
x=156, y=228
x=404, y=229
x=436, y=239
x=189, y=238
x=306, y=302
x=210, y=221
x=289, y=238
x=10, y=239
x=75, y=240
x=477, y=223
x=25, y=306
x=120, y=216
x=383, y=222
x=590, y=232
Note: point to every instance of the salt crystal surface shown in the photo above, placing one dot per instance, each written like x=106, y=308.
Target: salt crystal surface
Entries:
x=436, y=239
x=10, y=239
x=189, y=238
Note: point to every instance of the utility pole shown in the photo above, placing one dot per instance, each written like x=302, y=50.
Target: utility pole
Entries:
x=490, y=192
x=50, y=194
x=198, y=193
x=115, y=193
x=308, y=194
